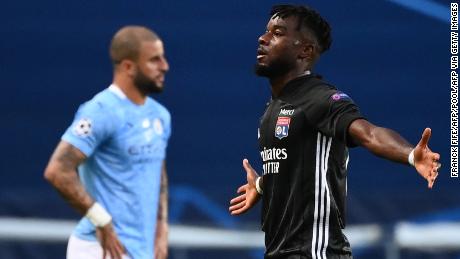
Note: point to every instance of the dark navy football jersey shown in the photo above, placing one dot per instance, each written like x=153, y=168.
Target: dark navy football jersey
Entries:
x=303, y=139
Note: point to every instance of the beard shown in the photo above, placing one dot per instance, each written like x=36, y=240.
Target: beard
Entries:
x=144, y=84
x=276, y=68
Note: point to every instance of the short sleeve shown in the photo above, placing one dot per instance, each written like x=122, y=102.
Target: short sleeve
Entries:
x=332, y=112
x=91, y=126
x=168, y=127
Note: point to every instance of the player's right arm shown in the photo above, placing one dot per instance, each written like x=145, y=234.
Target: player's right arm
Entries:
x=61, y=172
x=248, y=193
x=389, y=144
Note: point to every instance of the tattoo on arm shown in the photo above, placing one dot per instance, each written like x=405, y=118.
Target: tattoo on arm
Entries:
x=163, y=207
x=61, y=172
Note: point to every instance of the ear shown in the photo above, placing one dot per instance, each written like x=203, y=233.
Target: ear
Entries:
x=128, y=67
x=307, y=51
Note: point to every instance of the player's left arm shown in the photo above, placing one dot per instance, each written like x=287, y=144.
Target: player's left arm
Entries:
x=389, y=144
x=161, y=240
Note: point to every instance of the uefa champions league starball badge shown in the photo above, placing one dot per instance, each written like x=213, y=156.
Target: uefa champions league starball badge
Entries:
x=82, y=128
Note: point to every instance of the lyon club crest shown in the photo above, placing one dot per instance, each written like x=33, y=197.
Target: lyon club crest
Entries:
x=282, y=127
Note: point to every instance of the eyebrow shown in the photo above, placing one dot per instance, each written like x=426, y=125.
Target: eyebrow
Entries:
x=278, y=27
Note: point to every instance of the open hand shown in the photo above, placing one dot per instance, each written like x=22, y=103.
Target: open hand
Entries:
x=110, y=243
x=426, y=161
x=248, y=192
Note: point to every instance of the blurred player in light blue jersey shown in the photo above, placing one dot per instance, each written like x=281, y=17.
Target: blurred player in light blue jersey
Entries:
x=118, y=142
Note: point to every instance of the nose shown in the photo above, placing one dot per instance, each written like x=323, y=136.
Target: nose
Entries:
x=164, y=64
x=263, y=39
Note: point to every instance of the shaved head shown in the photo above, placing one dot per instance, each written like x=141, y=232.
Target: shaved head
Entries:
x=127, y=41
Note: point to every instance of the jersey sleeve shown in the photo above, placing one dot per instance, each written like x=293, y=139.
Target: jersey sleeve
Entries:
x=92, y=124
x=167, y=118
x=331, y=112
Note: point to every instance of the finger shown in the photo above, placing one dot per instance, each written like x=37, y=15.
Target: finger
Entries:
x=115, y=253
x=433, y=175
x=436, y=156
x=120, y=250
x=247, y=166
x=111, y=254
x=115, y=250
x=238, y=199
x=425, y=137
x=233, y=202
x=240, y=211
x=431, y=180
x=242, y=188
x=106, y=252
x=237, y=206
x=436, y=165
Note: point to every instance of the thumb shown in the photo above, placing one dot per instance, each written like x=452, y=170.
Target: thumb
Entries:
x=425, y=137
x=251, y=174
x=247, y=166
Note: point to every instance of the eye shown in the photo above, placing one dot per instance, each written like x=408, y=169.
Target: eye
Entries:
x=278, y=33
x=155, y=59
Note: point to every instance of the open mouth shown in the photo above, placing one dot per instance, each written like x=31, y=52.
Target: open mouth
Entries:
x=261, y=53
x=160, y=79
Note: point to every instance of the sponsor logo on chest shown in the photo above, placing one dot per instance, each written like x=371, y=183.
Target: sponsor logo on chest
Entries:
x=286, y=112
x=271, y=158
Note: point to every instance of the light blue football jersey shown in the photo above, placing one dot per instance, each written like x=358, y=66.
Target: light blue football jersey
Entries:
x=125, y=145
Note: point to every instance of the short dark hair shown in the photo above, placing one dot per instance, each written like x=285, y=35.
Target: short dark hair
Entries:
x=127, y=41
x=309, y=18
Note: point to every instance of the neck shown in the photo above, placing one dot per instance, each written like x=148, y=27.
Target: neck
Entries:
x=280, y=82
x=127, y=86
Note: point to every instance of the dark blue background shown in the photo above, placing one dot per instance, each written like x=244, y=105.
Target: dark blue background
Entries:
x=392, y=61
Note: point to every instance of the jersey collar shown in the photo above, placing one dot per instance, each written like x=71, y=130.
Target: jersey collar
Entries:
x=117, y=91
x=292, y=85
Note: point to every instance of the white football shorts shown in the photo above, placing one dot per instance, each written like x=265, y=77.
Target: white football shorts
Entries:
x=83, y=249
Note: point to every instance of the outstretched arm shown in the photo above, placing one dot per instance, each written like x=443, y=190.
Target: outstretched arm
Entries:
x=248, y=192
x=61, y=172
x=161, y=240
x=388, y=144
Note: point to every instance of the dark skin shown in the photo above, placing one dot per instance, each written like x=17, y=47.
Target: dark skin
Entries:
x=283, y=40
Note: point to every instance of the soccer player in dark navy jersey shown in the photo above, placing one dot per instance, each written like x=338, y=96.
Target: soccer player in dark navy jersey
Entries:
x=303, y=137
